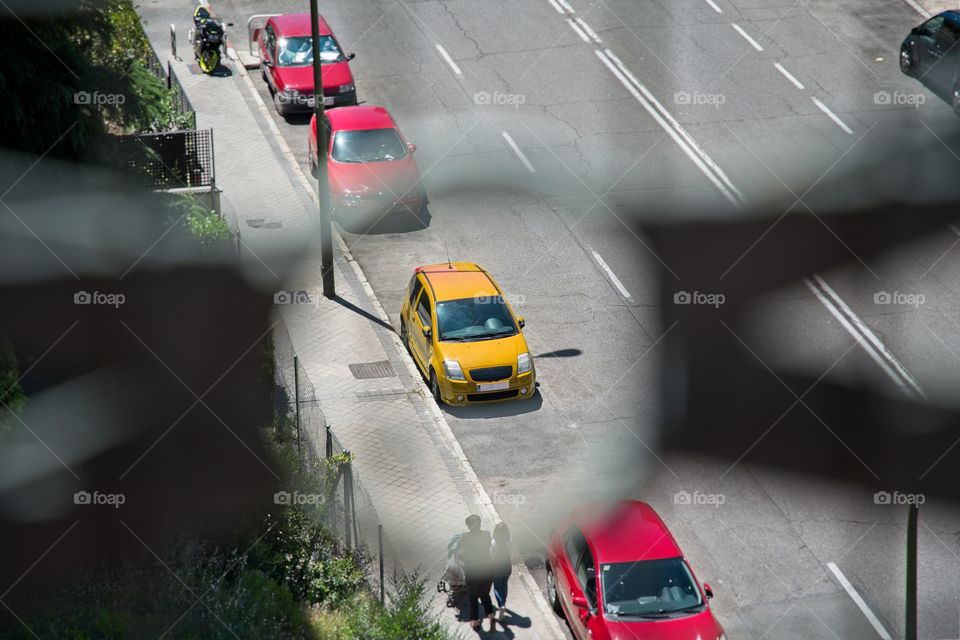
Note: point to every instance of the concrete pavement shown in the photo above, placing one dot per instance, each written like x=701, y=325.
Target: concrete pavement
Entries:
x=418, y=478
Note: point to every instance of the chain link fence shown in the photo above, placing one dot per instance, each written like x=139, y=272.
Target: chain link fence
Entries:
x=350, y=515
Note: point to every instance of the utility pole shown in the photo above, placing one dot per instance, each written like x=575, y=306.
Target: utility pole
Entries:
x=911, y=617
x=323, y=190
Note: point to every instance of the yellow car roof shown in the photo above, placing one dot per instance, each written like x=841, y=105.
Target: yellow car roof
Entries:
x=456, y=280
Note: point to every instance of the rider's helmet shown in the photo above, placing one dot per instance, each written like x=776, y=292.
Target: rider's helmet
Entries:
x=201, y=13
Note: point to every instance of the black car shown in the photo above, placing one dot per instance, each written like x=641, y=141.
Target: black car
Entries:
x=932, y=53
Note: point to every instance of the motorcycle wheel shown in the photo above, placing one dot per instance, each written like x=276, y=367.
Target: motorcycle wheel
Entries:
x=209, y=60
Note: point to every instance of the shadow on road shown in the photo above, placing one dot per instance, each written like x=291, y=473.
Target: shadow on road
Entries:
x=366, y=314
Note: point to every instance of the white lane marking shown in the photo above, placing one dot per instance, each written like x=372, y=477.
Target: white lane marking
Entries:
x=788, y=75
x=832, y=116
x=580, y=32
x=590, y=32
x=446, y=56
x=556, y=6
x=610, y=274
x=516, y=150
x=858, y=600
x=919, y=9
x=955, y=229
x=669, y=124
x=865, y=336
x=753, y=43
x=714, y=6
x=566, y=6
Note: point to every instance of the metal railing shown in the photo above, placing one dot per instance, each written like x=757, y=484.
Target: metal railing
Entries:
x=250, y=30
x=168, y=160
x=350, y=515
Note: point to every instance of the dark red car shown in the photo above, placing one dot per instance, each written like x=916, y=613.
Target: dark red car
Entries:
x=286, y=64
x=618, y=574
x=370, y=166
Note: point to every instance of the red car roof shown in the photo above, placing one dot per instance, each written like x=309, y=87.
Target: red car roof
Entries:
x=298, y=24
x=364, y=116
x=629, y=531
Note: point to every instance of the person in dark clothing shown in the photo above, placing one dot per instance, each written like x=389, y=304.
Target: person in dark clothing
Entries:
x=502, y=566
x=474, y=551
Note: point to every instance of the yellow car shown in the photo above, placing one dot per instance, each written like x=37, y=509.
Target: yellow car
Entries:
x=464, y=336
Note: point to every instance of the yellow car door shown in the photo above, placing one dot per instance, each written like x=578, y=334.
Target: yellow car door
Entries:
x=421, y=331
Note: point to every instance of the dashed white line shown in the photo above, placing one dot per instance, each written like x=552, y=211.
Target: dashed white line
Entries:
x=919, y=9
x=566, y=6
x=516, y=150
x=788, y=75
x=580, y=32
x=858, y=600
x=673, y=128
x=446, y=56
x=850, y=321
x=556, y=6
x=610, y=274
x=590, y=32
x=713, y=5
x=753, y=43
x=955, y=229
x=832, y=116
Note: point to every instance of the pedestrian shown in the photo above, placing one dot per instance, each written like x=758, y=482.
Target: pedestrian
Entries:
x=474, y=551
x=502, y=566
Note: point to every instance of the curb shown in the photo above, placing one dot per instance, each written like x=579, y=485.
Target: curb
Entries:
x=489, y=511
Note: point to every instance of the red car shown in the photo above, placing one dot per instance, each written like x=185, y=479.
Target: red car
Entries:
x=370, y=165
x=618, y=574
x=286, y=64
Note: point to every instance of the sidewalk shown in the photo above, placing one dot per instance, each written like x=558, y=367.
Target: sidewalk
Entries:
x=416, y=474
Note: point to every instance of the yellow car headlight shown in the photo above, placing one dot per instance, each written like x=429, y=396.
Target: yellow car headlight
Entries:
x=524, y=363
x=451, y=368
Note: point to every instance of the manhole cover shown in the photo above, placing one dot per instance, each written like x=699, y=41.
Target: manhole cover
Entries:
x=368, y=370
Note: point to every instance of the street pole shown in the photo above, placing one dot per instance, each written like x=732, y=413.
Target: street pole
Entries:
x=323, y=187
x=911, y=631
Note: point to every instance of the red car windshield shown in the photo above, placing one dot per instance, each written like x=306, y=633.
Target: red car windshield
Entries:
x=651, y=588
x=368, y=145
x=298, y=52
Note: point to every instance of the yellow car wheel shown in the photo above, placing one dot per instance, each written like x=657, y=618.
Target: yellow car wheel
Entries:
x=435, y=388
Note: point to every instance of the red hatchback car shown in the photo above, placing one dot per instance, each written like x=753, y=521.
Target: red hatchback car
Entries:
x=618, y=574
x=286, y=64
x=370, y=166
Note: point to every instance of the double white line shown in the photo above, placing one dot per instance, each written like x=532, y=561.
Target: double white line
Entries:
x=673, y=128
x=865, y=336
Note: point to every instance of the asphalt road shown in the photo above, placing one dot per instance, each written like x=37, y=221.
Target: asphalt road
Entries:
x=772, y=99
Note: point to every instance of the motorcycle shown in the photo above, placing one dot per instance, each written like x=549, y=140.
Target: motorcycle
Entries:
x=207, y=36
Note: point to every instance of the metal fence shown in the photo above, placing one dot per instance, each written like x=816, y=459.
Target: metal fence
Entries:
x=181, y=103
x=169, y=160
x=350, y=515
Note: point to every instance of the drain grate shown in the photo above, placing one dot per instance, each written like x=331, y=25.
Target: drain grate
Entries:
x=370, y=370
